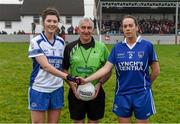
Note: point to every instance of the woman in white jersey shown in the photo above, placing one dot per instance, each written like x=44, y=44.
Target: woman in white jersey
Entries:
x=46, y=93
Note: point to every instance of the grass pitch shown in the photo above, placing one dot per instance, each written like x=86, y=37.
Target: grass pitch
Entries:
x=15, y=68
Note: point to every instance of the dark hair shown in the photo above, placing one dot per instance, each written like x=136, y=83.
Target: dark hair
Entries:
x=132, y=17
x=50, y=11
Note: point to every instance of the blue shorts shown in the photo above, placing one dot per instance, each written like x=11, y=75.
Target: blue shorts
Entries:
x=141, y=103
x=44, y=101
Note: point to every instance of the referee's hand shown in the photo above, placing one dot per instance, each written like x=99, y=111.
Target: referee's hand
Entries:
x=74, y=87
x=81, y=80
x=97, y=88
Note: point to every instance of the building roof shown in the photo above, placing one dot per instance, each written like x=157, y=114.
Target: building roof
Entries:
x=139, y=0
x=135, y=1
x=9, y=12
x=133, y=10
x=65, y=7
x=138, y=6
x=12, y=12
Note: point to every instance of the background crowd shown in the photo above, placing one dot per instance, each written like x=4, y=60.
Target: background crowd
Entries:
x=147, y=26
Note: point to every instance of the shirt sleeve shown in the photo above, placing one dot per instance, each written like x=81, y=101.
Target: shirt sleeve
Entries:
x=111, y=57
x=66, y=60
x=34, y=49
x=152, y=55
x=105, y=54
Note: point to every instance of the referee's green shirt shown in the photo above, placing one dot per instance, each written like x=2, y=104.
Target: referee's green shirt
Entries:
x=84, y=59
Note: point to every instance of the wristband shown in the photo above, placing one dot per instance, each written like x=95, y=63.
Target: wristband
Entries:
x=72, y=78
x=101, y=82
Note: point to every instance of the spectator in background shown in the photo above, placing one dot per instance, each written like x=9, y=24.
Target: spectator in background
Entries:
x=70, y=30
x=3, y=32
x=20, y=32
x=62, y=34
x=58, y=32
x=76, y=30
x=33, y=25
x=63, y=30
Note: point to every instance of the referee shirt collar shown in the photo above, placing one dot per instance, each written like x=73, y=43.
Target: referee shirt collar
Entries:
x=88, y=45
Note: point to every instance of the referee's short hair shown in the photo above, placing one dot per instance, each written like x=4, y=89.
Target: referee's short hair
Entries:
x=86, y=19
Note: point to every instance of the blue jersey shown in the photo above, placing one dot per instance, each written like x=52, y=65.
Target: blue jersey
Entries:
x=132, y=65
x=40, y=79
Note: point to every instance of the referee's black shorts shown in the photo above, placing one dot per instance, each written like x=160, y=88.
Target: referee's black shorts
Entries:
x=93, y=108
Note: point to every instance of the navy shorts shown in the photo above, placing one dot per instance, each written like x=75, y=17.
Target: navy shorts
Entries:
x=44, y=101
x=141, y=103
x=93, y=108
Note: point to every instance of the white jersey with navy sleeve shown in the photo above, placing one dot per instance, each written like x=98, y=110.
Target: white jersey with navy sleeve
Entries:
x=40, y=79
x=132, y=65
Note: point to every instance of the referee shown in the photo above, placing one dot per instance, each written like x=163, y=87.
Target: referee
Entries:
x=82, y=58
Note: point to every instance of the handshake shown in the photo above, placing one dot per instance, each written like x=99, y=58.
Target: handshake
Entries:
x=77, y=80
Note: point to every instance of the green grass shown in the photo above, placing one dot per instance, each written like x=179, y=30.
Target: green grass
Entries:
x=15, y=68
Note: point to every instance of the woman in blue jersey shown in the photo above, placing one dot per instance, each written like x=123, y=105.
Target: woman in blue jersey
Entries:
x=132, y=59
x=46, y=93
